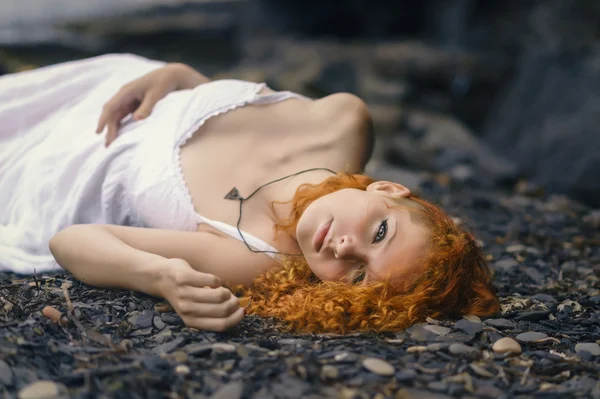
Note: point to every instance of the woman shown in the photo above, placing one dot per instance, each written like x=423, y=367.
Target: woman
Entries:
x=223, y=183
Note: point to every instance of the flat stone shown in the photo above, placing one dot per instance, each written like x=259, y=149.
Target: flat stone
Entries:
x=168, y=346
x=329, y=372
x=500, y=323
x=463, y=350
x=472, y=318
x=42, y=389
x=590, y=347
x=294, y=341
x=505, y=264
x=6, y=374
x=481, y=371
x=171, y=319
x=414, y=393
x=158, y=323
x=490, y=392
x=468, y=326
x=507, y=345
x=534, y=315
x=531, y=336
x=133, y=316
x=417, y=349
x=144, y=320
x=378, y=366
x=346, y=357
x=221, y=347
x=515, y=248
x=232, y=390
x=438, y=330
x=436, y=346
x=182, y=369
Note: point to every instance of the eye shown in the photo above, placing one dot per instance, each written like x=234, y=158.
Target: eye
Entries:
x=360, y=276
x=381, y=232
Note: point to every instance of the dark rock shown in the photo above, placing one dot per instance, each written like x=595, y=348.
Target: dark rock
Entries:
x=6, y=374
x=500, y=323
x=542, y=131
x=144, y=320
x=535, y=315
x=468, y=326
x=447, y=143
x=232, y=390
x=171, y=319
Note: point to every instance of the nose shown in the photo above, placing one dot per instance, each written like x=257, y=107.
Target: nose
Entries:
x=348, y=248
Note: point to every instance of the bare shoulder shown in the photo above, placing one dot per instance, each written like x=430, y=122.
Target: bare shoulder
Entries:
x=352, y=117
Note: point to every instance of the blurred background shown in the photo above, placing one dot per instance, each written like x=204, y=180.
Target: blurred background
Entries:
x=479, y=93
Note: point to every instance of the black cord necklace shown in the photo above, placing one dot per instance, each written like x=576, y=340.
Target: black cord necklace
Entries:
x=234, y=194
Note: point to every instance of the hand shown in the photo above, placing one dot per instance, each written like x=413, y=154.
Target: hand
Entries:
x=199, y=298
x=141, y=95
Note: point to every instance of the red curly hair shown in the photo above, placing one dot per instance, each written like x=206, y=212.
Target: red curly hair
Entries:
x=455, y=279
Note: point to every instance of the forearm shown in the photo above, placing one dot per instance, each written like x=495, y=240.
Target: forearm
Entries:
x=97, y=257
x=187, y=77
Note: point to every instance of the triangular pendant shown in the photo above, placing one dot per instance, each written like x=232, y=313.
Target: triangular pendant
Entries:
x=233, y=194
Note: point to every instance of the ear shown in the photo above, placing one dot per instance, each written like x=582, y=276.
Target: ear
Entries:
x=391, y=189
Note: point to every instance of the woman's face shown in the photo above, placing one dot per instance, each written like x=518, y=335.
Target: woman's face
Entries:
x=348, y=231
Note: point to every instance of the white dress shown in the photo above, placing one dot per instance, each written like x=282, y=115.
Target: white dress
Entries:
x=55, y=171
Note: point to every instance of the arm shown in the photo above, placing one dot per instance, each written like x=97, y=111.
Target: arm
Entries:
x=175, y=265
x=141, y=95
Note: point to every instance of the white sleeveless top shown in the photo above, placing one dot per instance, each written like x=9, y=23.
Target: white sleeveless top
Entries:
x=55, y=171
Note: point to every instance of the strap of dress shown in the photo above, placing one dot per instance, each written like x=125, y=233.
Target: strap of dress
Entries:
x=271, y=98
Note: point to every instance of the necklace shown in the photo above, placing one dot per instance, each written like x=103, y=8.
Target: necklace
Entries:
x=234, y=194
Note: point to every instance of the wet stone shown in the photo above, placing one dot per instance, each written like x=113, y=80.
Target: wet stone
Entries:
x=378, y=366
x=42, y=390
x=507, y=345
x=531, y=336
x=590, y=347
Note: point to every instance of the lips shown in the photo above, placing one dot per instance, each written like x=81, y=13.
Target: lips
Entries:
x=320, y=235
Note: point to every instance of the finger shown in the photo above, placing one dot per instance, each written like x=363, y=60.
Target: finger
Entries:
x=113, y=128
x=199, y=279
x=206, y=295
x=101, y=123
x=216, y=310
x=217, y=324
x=148, y=103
